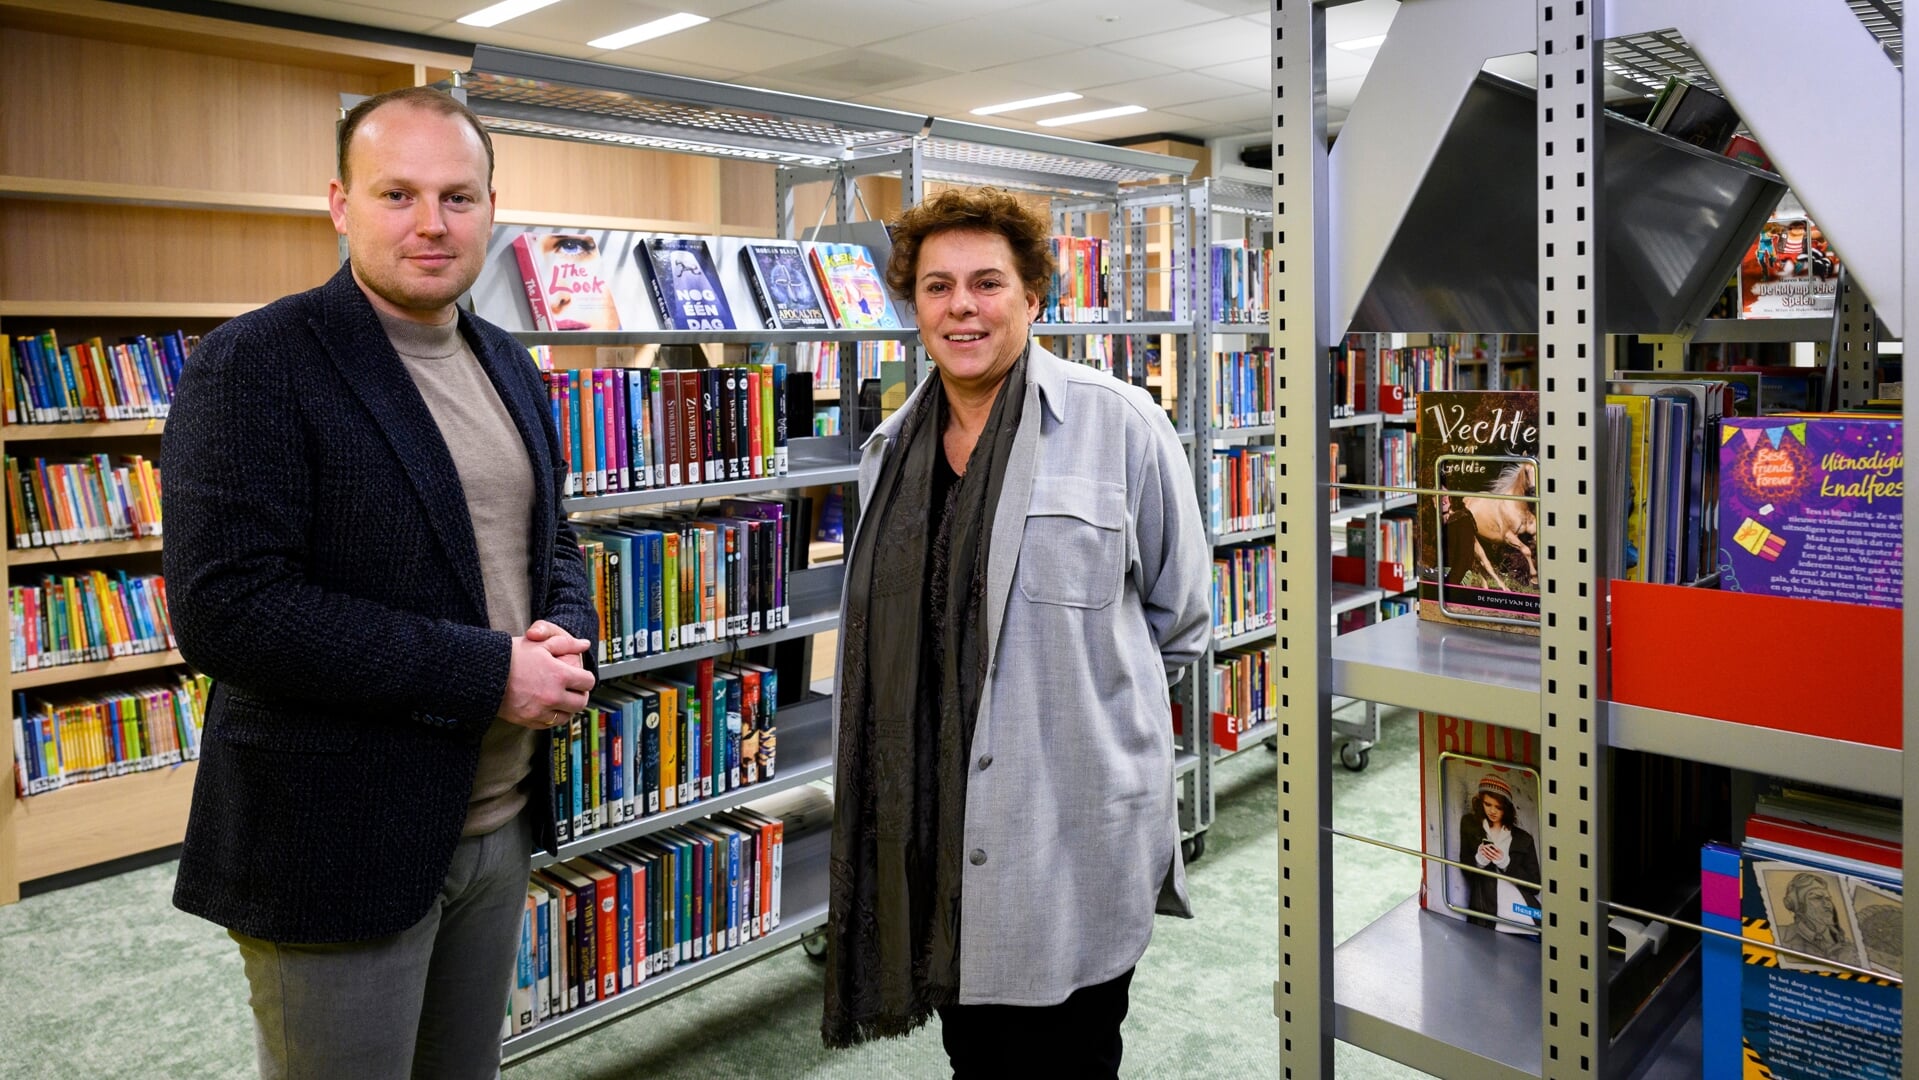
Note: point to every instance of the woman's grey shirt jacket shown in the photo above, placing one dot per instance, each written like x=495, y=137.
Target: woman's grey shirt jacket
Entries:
x=1097, y=595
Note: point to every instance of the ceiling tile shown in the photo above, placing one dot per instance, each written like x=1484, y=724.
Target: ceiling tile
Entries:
x=848, y=22
x=1004, y=39
x=1096, y=22
x=847, y=73
x=513, y=39
x=1239, y=109
x=439, y=10
x=673, y=65
x=1254, y=71
x=1208, y=131
x=1341, y=93
x=1119, y=127
x=412, y=20
x=1160, y=91
x=742, y=48
x=588, y=20
x=1077, y=70
x=956, y=95
x=1262, y=8
x=1198, y=46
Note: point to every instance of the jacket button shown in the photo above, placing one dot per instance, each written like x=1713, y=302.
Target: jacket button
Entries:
x=977, y=858
x=985, y=762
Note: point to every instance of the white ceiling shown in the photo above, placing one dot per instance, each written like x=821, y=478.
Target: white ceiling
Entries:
x=1199, y=67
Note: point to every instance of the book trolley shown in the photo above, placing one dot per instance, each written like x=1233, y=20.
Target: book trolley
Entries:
x=809, y=141
x=1416, y=988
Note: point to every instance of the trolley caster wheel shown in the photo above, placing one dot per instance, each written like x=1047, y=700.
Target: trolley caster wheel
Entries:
x=1193, y=847
x=1272, y=746
x=814, y=945
x=1355, y=757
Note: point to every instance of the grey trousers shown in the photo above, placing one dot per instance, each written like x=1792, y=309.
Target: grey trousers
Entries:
x=425, y=1003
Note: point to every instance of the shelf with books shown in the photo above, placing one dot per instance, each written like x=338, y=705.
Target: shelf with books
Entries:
x=706, y=337
x=162, y=310
x=803, y=625
x=1460, y=671
x=805, y=733
x=86, y=824
x=1242, y=328
x=1757, y=331
x=801, y=477
x=1122, y=329
x=102, y=549
x=803, y=902
x=97, y=430
x=1240, y=435
x=1874, y=770
x=1355, y=420
x=1257, y=735
x=1348, y=597
x=1245, y=536
x=1237, y=641
x=71, y=673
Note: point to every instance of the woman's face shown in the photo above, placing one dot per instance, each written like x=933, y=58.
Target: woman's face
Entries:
x=1494, y=813
x=973, y=309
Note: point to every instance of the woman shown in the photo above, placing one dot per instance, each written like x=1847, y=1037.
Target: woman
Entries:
x=1028, y=574
x=1490, y=838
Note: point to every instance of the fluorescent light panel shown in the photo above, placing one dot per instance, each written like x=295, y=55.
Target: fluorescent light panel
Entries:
x=1089, y=117
x=1026, y=103
x=648, y=31
x=501, y=12
x=1361, y=44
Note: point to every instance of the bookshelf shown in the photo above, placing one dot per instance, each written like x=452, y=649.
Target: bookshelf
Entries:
x=804, y=142
x=1395, y=988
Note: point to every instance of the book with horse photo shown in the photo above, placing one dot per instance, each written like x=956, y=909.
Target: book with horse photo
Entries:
x=1477, y=526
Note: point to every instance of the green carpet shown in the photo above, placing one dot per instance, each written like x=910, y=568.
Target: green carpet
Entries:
x=107, y=979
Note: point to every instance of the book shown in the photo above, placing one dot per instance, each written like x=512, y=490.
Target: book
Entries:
x=1790, y=271
x=686, y=284
x=1693, y=114
x=850, y=282
x=783, y=286
x=1475, y=561
x=1479, y=805
x=566, y=286
x=1811, y=507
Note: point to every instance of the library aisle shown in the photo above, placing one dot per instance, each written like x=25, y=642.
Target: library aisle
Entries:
x=108, y=979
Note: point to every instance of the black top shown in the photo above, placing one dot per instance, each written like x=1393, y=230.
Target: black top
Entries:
x=321, y=567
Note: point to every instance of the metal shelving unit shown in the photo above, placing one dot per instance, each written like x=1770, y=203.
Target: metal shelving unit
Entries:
x=1412, y=986
x=807, y=140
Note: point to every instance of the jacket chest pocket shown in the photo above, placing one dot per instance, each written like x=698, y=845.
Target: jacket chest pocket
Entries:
x=1074, y=553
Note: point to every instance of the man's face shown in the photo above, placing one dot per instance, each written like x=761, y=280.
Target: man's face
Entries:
x=419, y=213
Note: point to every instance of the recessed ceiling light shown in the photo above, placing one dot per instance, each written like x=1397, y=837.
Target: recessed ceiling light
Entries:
x=672, y=24
x=1360, y=44
x=501, y=12
x=1026, y=103
x=1089, y=117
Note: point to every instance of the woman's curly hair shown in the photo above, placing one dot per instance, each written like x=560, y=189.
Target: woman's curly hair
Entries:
x=984, y=209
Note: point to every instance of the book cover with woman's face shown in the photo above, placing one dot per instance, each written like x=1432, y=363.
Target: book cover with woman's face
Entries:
x=573, y=282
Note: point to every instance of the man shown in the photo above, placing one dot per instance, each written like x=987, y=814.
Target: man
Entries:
x=365, y=549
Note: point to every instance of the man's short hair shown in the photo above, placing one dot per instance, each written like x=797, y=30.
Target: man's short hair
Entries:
x=420, y=97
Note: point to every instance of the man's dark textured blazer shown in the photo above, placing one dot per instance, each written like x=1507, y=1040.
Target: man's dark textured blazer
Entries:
x=321, y=567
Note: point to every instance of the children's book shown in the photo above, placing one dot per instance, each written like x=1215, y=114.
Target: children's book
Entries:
x=850, y=282
x=1810, y=506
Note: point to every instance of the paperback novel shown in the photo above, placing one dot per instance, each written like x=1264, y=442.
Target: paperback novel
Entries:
x=565, y=285
x=686, y=284
x=783, y=287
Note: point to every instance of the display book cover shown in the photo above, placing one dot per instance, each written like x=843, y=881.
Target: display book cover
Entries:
x=1766, y=1014
x=1479, y=805
x=783, y=287
x=1810, y=506
x=1475, y=554
x=1683, y=526
x=566, y=285
x=1790, y=271
x=850, y=282
x=685, y=284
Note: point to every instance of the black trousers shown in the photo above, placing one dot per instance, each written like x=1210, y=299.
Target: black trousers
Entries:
x=1078, y=1039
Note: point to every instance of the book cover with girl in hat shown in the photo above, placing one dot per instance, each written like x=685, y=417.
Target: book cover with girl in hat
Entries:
x=1479, y=807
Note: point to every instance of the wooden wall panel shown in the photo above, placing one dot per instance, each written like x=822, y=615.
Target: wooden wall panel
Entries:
x=69, y=251
x=81, y=109
x=533, y=174
x=746, y=196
